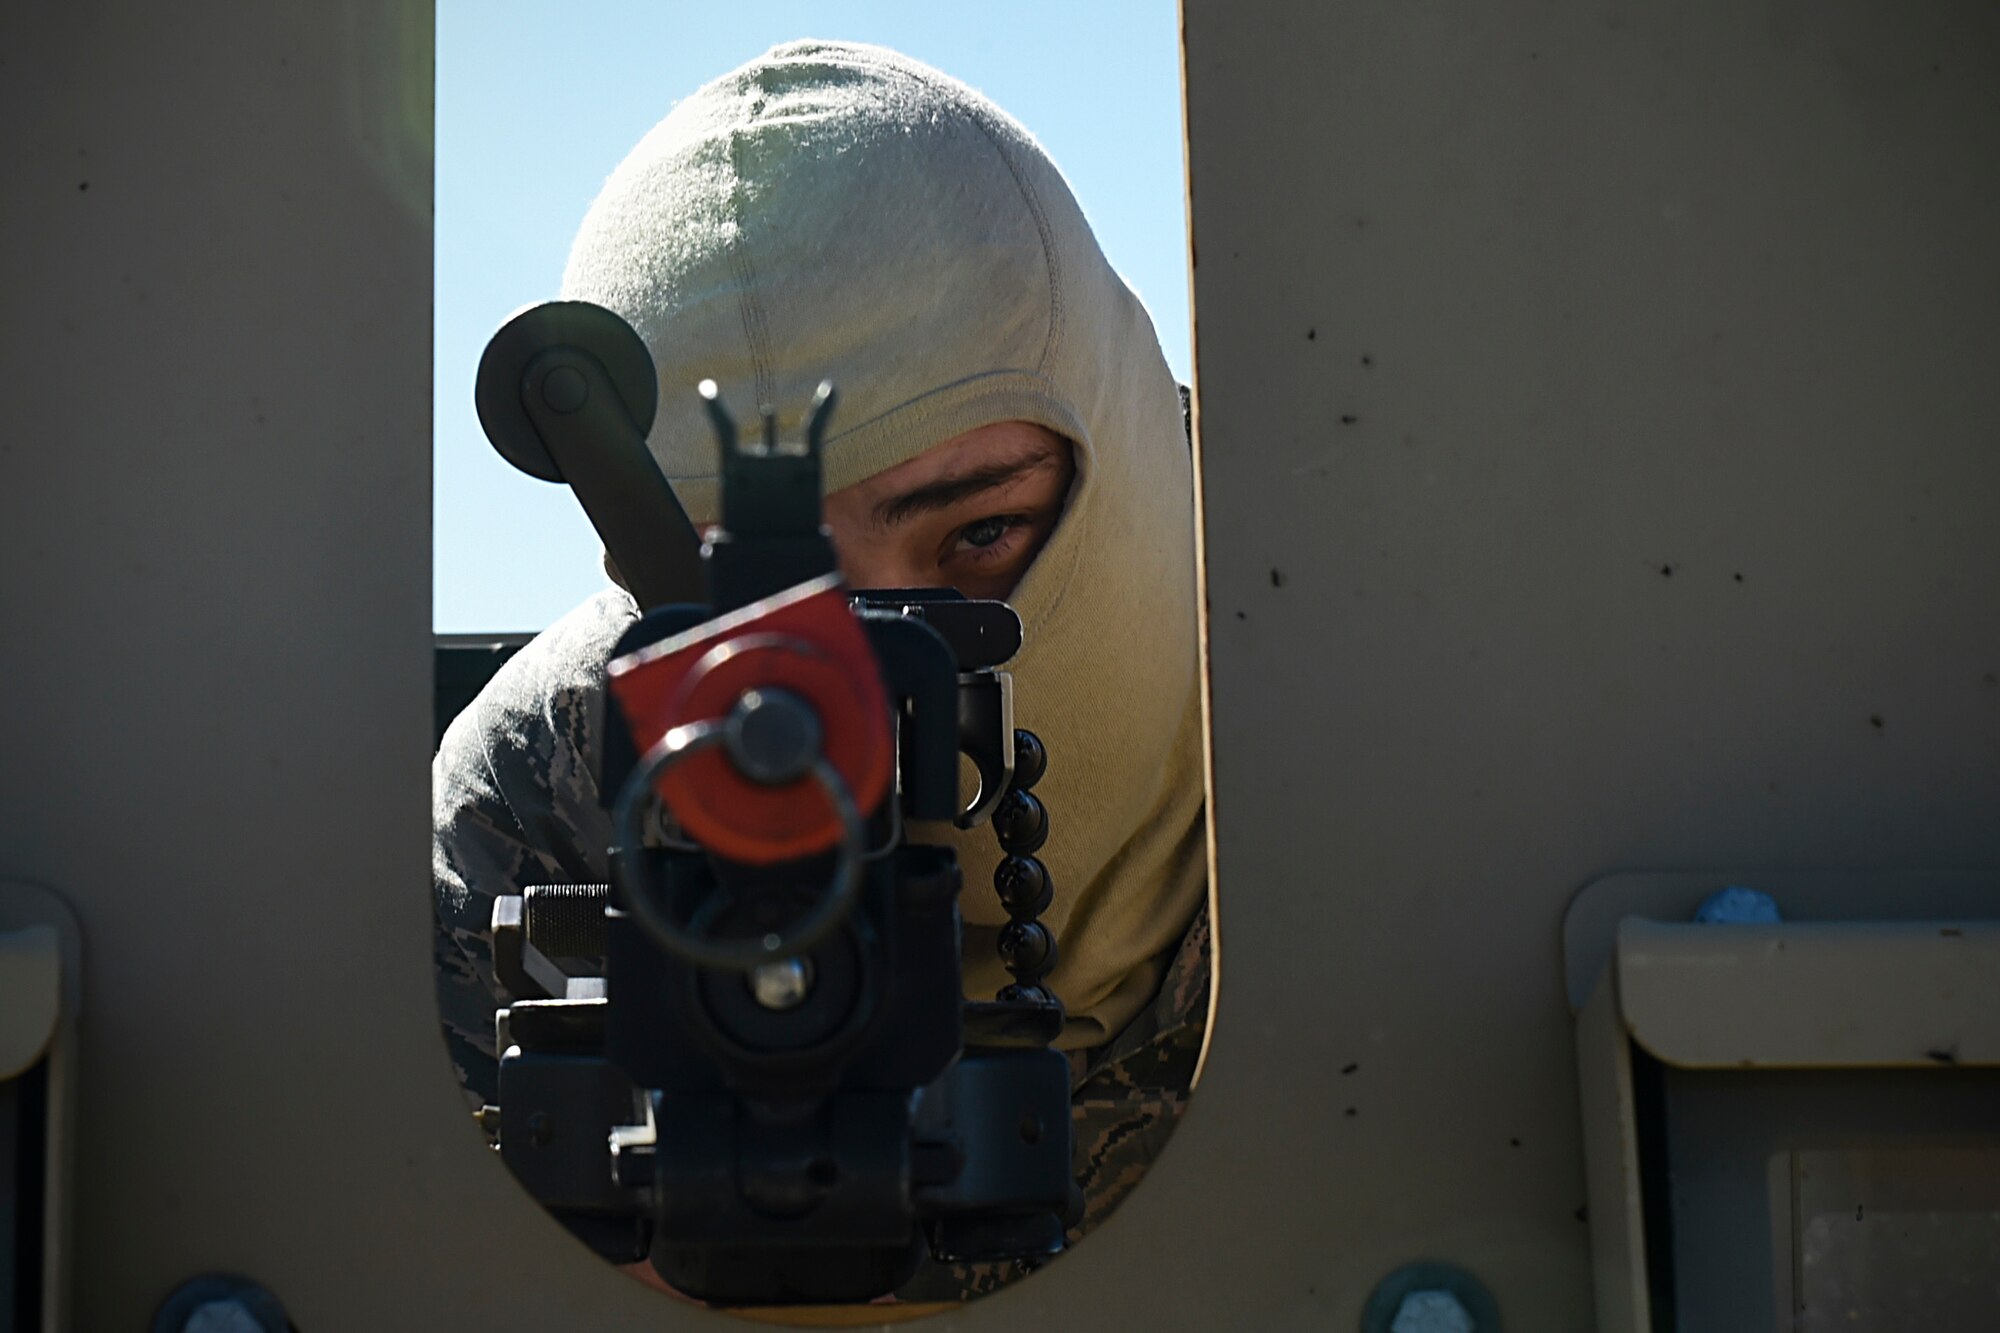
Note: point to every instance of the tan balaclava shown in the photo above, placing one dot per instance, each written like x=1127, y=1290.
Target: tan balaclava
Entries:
x=834, y=211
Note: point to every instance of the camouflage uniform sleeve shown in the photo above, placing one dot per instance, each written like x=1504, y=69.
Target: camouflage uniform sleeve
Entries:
x=513, y=803
x=1127, y=1099
x=1132, y=1093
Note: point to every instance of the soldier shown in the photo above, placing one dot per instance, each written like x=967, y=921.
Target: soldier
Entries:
x=1007, y=427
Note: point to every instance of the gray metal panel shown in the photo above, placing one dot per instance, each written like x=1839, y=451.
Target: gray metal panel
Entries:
x=1523, y=331
x=1797, y=995
x=214, y=554
x=1591, y=921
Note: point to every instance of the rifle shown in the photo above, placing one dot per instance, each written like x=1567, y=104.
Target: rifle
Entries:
x=775, y=1089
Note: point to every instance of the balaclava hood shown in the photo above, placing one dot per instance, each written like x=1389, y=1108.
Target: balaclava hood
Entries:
x=835, y=211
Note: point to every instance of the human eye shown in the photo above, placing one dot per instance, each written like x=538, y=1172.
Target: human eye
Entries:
x=984, y=557
x=988, y=533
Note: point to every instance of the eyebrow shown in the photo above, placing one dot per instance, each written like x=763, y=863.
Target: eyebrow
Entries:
x=949, y=491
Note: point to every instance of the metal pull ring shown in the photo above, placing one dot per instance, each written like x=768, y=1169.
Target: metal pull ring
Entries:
x=636, y=801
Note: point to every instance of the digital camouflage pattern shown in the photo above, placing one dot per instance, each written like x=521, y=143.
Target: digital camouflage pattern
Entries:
x=515, y=802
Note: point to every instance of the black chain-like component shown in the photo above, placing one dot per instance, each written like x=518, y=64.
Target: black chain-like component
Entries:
x=1021, y=822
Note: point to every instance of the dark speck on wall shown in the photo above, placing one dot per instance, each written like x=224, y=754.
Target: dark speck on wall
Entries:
x=1349, y=420
x=1513, y=1143
x=1351, y=1112
x=1349, y=1069
x=1875, y=721
x=1737, y=577
x=1666, y=571
x=1242, y=616
x=1311, y=334
x=1943, y=1056
x=1367, y=360
x=1582, y=1213
x=82, y=185
x=1277, y=578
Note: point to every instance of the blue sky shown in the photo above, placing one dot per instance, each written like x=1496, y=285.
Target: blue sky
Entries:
x=537, y=102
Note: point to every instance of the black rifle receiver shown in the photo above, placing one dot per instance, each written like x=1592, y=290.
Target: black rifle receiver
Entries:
x=774, y=1087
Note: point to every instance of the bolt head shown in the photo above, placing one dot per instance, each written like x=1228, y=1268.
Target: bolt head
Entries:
x=222, y=1316
x=773, y=737
x=1027, y=947
x=1021, y=823
x=1432, y=1312
x=1023, y=885
x=1031, y=759
x=565, y=389
x=783, y=984
x=1736, y=905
